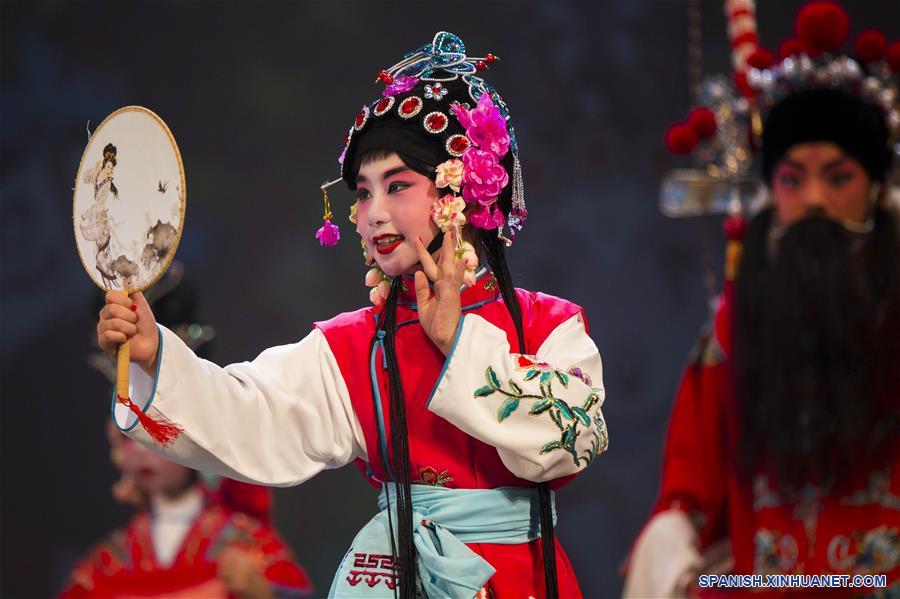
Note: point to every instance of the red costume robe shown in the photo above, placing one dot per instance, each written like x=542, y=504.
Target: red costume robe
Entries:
x=124, y=564
x=852, y=531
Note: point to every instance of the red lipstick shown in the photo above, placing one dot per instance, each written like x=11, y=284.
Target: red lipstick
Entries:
x=385, y=244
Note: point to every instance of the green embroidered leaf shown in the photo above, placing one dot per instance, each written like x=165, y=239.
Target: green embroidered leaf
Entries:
x=506, y=408
x=541, y=406
x=563, y=378
x=491, y=377
x=554, y=415
x=484, y=391
x=516, y=389
x=568, y=438
x=548, y=447
x=531, y=374
x=582, y=416
x=545, y=378
x=545, y=391
x=589, y=403
x=563, y=408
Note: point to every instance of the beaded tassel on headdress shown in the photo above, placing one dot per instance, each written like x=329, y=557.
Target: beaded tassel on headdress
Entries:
x=517, y=214
x=328, y=234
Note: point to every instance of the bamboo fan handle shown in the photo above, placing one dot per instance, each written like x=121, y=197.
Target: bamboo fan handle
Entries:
x=123, y=357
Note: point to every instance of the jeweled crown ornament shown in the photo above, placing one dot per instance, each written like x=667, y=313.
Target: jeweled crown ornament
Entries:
x=722, y=132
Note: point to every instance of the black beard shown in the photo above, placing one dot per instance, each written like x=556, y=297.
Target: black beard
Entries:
x=811, y=318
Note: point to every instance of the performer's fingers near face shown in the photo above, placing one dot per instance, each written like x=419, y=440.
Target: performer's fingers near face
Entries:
x=447, y=253
x=427, y=262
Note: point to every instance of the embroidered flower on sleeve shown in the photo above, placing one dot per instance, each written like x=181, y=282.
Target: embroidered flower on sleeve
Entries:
x=580, y=374
x=571, y=420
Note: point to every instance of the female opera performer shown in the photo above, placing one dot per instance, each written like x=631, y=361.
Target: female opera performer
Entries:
x=464, y=399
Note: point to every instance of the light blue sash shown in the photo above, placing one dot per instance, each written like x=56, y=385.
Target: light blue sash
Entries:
x=444, y=520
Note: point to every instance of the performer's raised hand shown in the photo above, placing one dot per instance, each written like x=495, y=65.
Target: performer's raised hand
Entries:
x=126, y=318
x=439, y=313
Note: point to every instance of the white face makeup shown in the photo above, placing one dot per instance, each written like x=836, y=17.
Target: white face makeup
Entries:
x=394, y=207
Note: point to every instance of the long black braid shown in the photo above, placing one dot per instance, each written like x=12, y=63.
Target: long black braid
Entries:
x=404, y=556
x=492, y=249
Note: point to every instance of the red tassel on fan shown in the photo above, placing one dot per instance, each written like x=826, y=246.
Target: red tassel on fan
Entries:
x=163, y=432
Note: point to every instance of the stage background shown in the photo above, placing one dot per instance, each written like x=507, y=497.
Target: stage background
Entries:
x=259, y=96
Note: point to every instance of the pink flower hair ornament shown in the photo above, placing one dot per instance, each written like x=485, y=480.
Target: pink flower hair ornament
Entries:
x=483, y=177
x=484, y=125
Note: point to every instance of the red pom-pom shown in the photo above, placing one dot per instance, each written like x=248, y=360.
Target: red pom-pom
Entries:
x=702, y=121
x=893, y=56
x=870, y=45
x=740, y=82
x=735, y=226
x=680, y=138
x=822, y=26
x=790, y=47
x=761, y=59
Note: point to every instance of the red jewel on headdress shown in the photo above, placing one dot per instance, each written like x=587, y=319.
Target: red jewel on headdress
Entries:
x=410, y=107
x=490, y=59
x=361, y=118
x=383, y=106
x=385, y=77
x=457, y=145
x=481, y=65
x=435, y=122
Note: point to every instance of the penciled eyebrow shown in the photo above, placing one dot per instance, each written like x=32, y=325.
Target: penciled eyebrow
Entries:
x=794, y=164
x=827, y=166
x=834, y=163
x=386, y=175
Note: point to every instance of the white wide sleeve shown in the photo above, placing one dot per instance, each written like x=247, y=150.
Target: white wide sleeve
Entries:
x=278, y=420
x=541, y=412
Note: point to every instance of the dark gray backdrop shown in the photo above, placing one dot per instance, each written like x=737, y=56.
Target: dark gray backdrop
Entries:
x=259, y=96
